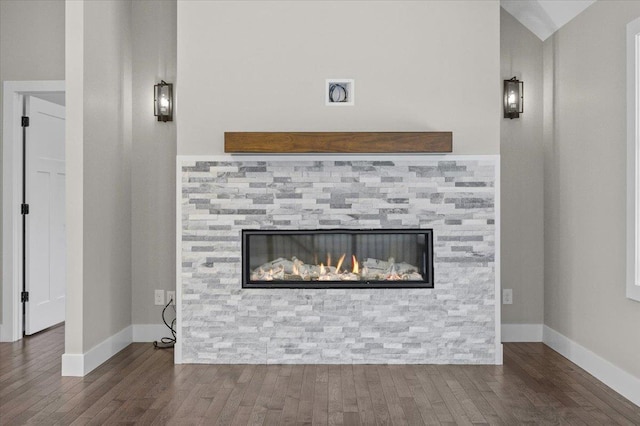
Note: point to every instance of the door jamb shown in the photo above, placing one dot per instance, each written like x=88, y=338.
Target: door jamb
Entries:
x=13, y=92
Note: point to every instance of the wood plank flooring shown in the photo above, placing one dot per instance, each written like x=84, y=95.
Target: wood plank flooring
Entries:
x=140, y=385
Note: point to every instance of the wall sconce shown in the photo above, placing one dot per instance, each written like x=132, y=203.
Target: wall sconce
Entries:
x=513, y=98
x=163, y=101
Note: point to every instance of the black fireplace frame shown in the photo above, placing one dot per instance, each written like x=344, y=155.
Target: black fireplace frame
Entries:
x=427, y=259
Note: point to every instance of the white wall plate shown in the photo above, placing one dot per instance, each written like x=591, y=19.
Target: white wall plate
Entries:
x=339, y=92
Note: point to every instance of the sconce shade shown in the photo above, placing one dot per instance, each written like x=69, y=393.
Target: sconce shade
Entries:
x=163, y=101
x=513, y=98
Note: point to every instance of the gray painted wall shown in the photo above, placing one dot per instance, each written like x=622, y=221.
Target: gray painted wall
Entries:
x=585, y=185
x=74, y=156
x=128, y=167
x=522, y=228
x=33, y=40
x=31, y=47
x=107, y=170
x=153, y=160
x=262, y=65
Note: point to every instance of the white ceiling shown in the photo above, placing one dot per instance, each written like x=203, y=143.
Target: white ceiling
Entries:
x=544, y=17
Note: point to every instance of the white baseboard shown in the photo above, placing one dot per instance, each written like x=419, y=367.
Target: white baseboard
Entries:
x=616, y=378
x=521, y=333
x=73, y=365
x=150, y=332
x=82, y=364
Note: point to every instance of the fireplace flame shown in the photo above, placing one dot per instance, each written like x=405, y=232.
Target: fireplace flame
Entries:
x=368, y=269
x=329, y=259
x=340, y=262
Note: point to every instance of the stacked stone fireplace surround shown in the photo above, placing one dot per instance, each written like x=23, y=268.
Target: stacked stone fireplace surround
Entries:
x=455, y=322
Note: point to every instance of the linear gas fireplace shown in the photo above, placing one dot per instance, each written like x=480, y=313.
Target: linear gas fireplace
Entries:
x=338, y=258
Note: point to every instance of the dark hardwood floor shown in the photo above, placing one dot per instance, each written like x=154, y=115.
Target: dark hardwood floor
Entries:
x=140, y=385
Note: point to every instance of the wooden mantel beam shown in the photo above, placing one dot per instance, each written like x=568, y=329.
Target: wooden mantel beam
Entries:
x=337, y=142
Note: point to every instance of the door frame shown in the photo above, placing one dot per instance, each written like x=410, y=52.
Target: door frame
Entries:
x=12, y=103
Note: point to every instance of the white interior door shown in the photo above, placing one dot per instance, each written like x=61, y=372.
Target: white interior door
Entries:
x=45, y=230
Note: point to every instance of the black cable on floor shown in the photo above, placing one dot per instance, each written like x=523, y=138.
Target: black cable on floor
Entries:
x=167, y=342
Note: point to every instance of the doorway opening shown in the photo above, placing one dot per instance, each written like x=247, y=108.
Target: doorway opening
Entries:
x=34, y=256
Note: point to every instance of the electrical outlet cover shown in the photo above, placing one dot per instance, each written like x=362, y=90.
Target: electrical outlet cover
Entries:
x=507, y=296
x=171, y=296
x=159, y=297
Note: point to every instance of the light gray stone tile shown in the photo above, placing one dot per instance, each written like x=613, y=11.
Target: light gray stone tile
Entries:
x=452, y=323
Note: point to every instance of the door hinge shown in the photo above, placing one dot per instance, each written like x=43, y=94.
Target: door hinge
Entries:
x=24, y=208
x=25, y=121
x=24, y=296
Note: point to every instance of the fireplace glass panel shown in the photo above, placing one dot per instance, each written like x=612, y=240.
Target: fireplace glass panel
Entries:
x=338, y=258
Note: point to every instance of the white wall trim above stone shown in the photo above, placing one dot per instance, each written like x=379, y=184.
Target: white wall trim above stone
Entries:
x=333, y=157
x=613, y=376
x=521, y=333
